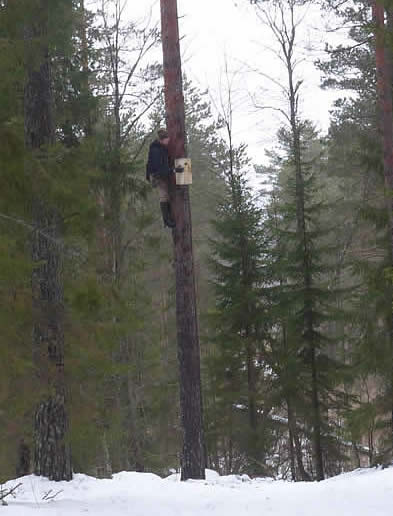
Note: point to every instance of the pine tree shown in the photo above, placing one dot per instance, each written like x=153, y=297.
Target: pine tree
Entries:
x=52, y=453
x=62, y=178
x=355, y=144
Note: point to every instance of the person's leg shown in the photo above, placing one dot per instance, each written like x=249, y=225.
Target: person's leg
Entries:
x=163, y=192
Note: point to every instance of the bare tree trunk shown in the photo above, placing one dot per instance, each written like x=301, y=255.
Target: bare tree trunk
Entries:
x=384, y=91
x=193, y=457
x=253, y=445
x=230, y=446
x=384, y=64
x=52, y=451
x=103, y=460
x=292, y=455
x=85, y=69
x=304, y=476
x=130, y=402
x=252, y=387
x=24, y=459
x=136, y=441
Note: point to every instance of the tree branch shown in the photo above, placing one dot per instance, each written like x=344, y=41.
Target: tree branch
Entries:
x=9, y=492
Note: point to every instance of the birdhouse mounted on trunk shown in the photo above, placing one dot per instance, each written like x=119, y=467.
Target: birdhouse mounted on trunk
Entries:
x=184, y=178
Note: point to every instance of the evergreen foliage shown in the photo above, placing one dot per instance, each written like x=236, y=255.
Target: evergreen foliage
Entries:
x=240, y=429
x=294, y=286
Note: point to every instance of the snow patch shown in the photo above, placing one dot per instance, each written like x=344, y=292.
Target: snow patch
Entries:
x=365, y=492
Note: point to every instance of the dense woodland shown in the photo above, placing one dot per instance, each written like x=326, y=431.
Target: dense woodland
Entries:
x=294, y=281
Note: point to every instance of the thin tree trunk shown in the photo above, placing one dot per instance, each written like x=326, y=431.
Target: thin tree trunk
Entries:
x=307, y=278
x=298, y=449
x=292, y=455
x=251, y=387
x=103, y=458
x=24, y=460
x=135, y=412
x=230, y=444
x=316, y=433
x=254, y=451
x=85, y=69
x=357, y=455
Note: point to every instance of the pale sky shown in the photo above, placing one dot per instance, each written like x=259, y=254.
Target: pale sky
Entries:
x=215, y=31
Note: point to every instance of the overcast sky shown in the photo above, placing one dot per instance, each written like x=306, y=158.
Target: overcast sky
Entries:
x=218, y=31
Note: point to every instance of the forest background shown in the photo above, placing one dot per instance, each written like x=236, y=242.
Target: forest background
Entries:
x=294, y=280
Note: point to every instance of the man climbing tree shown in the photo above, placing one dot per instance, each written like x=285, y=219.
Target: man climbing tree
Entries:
x=160, y=169
x=193, y=456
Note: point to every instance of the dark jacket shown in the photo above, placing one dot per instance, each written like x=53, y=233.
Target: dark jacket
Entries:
x=158, y=163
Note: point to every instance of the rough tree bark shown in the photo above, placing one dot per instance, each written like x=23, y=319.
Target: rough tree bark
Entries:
x=384, y=65
x=52, y=451
x=193, y=456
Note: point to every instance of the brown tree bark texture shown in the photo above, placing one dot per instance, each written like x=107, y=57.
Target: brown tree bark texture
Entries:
x=193, y=460
x=384, y=64
x=52, y=453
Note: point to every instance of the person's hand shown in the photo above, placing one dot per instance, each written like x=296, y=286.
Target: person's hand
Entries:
x=179, y=170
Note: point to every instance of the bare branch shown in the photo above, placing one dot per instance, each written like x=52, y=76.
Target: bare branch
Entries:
x=138, y=117
x=9, y=492
x=48, y=496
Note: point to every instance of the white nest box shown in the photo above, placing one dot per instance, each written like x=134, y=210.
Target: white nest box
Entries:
x=184, y=178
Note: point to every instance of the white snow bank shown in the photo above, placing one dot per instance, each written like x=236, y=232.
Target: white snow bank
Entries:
x=360, y=493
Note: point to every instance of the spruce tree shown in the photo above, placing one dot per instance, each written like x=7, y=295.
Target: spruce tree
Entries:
x=305, y=357
x=355, y=147
x=237, y=325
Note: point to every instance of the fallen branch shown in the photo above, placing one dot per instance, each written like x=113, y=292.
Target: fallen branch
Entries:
x=9, y=492
x=49, y=496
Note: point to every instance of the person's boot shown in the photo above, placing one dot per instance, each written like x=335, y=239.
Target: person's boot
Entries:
x=166, y=215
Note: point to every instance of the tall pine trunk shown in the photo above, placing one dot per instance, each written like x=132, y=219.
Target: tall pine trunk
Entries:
x=52, y=451
x=191, y=404
x=384, y=65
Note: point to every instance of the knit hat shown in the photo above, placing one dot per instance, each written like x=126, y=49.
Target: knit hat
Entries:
x=162, y=134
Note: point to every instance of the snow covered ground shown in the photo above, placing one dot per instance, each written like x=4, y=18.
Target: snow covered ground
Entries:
x=361, y=493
